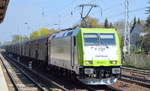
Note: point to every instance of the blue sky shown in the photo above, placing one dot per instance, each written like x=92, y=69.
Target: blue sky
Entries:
x=25, y=16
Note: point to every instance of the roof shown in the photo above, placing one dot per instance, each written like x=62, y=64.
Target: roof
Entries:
x=3, y=8
x=136, y=32
x=137, y=29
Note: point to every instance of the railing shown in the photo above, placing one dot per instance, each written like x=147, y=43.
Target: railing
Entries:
x=138, y=60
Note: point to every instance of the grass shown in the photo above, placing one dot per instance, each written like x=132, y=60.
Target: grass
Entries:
x=147, y=63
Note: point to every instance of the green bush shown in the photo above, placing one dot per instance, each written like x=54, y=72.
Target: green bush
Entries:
x=147, y=63
x=128, y=62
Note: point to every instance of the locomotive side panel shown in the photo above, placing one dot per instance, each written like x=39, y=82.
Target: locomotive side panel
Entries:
x=61, y=52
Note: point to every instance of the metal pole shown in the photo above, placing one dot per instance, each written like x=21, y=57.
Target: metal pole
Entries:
x=86, y=15
x=127, y=30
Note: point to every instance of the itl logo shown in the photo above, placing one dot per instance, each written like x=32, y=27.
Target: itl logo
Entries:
x=101, y=49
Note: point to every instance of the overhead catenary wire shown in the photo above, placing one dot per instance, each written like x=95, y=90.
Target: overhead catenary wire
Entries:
x=71, y=13
x=130, y=11
x=112, y=7
x=74, y=13
x=66, y=6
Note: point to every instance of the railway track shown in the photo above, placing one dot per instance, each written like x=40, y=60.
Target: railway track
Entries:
x=25, y=82
x=136, y=68
x=137, y=71
x=65, y=84
x=136, y=76
x=49, y=84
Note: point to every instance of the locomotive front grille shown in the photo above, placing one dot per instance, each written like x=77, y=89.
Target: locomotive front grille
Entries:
x=100, y=72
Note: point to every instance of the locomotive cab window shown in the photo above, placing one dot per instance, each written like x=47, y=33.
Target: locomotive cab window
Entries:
x=107, y=39
x=91, y=39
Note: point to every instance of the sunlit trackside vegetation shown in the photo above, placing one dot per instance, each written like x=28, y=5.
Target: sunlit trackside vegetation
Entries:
x=16, y=38
x=41, y=32
x=94, y=23
x=146, y=38
x=90, y=22
x=35, y=34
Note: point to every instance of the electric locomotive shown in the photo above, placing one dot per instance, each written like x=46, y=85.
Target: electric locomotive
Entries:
x=92, y=53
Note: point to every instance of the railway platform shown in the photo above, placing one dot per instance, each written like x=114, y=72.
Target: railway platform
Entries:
x=3, y=83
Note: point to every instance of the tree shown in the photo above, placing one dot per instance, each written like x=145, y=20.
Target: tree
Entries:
x=134, y=23
x=16, y=38
x=25, y=38
x=34, y=34
x=119, y=25
x=111, y=25
x=146, y=38
x=148, y=23
x=146, y=43
x=91, y=22
x=41, y=32
x=148, y=19
x=106, y=23
x=7, y=42
x=139, y=21
x=148, y=9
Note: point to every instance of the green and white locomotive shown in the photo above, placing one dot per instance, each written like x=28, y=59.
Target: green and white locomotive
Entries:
x=92, y=53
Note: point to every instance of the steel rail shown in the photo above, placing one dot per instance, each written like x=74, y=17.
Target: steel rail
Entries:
x=41, y=76
x=10, y=76
x=133, y=67
x=140, y=81
x=136, y=78
x=137, y=71
x=25, y=74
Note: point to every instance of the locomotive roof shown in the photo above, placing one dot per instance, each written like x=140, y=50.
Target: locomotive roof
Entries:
x=65, y=33
x=75, y=31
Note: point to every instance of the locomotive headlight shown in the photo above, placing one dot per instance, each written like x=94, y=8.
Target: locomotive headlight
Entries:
x=113, y=62
x=116, y=70
x=88, y=71
x=88, y=62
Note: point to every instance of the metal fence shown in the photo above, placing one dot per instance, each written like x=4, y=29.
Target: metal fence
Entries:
x=138, y=60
